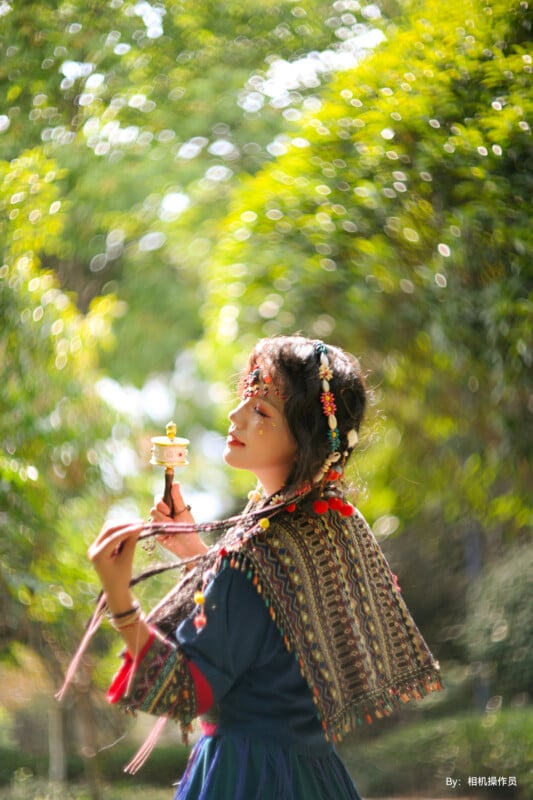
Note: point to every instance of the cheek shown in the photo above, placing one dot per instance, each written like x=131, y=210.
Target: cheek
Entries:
x=288, y=443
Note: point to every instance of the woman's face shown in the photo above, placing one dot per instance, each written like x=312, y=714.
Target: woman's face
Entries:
x=259, y=437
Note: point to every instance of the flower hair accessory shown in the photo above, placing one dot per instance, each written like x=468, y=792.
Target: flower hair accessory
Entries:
x=329, y=407
x=325, y=373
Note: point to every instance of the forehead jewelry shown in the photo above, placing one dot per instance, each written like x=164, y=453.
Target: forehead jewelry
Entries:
x=256, y=383
x=251, y=383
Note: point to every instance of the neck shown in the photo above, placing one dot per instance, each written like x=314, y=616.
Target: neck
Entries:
x=271, y=487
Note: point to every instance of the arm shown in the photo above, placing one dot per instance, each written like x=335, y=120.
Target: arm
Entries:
x=112, y=557
x=155, y=677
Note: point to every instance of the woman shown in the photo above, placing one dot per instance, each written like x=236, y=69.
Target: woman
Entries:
x=291, y=629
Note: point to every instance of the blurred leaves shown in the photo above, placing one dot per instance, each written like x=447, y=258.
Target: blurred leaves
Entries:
x=142, y=104
x=397, y=223
x=498, y=624
x=54, y=427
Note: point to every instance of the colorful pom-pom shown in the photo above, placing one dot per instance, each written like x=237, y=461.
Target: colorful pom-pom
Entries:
x=200, y=621
x=347, y=510
x=335, y=503
x=199, y=598
x=320, y=506
x=290, y=507
x=264, y=523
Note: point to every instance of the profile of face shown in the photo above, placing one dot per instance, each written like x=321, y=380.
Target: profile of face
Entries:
x=259, y=438
x=279, y=430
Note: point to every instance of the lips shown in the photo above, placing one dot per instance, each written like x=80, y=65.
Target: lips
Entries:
x=233, y=441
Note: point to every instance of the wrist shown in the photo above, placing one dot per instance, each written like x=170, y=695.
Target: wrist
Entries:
x=118, y=604
x=126, y=619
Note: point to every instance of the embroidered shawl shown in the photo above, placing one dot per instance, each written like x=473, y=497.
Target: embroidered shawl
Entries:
x=330, y=591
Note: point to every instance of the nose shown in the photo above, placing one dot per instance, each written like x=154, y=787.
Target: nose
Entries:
x=233, y=414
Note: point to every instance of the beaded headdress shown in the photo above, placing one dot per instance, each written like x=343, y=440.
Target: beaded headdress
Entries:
x=259, y=383
x=329, y=408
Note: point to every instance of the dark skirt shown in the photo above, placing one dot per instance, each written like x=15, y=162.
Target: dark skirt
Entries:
x=239, y=768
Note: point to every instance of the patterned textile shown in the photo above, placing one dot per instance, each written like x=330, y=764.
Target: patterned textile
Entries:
x=336, y=603
x=163, y=685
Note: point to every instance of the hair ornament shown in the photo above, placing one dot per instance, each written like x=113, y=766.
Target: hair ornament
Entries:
x=327, y=398
x=352, y=438
x=325, y=468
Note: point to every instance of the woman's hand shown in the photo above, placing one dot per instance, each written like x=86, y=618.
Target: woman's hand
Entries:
x=184, y=545
x=111, y=554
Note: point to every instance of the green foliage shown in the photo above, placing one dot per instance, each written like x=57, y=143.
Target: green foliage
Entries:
x=397, y=223
x=415, y=760
x=140, y=104
x=499, y=622
x=164, y=767
x=25, y=786
x=388, y=211
x=53, y=425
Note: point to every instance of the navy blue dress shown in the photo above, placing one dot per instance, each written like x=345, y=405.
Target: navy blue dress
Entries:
x=268, y=743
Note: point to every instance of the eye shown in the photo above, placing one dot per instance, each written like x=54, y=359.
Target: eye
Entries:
x=258, y=410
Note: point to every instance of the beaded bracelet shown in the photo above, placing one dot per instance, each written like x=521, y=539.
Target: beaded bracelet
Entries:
x=125, y=622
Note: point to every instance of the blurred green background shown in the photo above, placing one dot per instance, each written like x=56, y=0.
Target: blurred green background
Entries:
x=178, y=179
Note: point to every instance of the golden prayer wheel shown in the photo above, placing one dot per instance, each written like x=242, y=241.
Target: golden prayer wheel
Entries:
x=169, y=451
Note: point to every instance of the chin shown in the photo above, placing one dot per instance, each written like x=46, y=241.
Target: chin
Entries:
x=227, y=455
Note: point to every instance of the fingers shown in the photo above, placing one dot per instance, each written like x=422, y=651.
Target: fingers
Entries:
x=177, y=497
x=161, y=512
x=114, y=537
x=182, y=511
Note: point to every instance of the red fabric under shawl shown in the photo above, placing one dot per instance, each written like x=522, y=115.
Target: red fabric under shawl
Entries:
x=124, y=676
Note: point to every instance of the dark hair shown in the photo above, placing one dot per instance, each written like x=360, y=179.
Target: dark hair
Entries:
x=293, y=363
